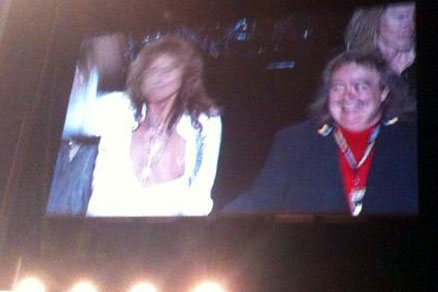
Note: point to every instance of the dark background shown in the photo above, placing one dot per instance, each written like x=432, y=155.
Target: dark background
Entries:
x=255, y=253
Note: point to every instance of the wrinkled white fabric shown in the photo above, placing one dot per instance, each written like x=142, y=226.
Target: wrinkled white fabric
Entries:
x=116, y=189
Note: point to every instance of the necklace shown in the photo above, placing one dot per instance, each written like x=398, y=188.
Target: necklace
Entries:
x=155, y=148
x=357, y=193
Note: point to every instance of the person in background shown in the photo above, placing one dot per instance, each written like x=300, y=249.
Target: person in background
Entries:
x=101, y=67
x=357, y=155
x=389, y=30
x=159, y=139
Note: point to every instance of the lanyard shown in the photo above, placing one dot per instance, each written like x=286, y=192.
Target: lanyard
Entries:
x=357, y=193
x=346, y=150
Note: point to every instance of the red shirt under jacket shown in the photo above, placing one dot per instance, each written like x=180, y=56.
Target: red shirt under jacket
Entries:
x=357, y=142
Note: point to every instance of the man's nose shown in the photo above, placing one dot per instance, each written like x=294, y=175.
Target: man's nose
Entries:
x=350, y=92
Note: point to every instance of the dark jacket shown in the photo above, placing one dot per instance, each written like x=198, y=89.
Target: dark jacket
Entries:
x=302, y=175
x=71, y=185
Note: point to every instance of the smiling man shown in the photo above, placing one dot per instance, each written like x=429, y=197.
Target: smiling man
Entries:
x=358, y=155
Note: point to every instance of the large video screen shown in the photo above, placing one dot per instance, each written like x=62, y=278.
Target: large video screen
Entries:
x=242, y=111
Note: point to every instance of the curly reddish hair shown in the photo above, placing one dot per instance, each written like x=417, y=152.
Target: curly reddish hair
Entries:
x=192, y=97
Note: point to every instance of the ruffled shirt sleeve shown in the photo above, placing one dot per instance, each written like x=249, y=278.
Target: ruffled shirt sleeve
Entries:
x=109, y=112
x=201, y=163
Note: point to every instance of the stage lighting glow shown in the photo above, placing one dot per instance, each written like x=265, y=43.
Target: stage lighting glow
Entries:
x=30, y=284
x=208, y=286
x=143, y=287
x=84, y=287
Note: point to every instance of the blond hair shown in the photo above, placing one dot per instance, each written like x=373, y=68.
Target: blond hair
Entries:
x=362, y=31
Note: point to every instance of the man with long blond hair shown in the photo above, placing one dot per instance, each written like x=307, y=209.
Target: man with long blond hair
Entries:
x=390, y=31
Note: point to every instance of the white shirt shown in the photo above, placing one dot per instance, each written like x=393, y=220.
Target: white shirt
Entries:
x=116, y=189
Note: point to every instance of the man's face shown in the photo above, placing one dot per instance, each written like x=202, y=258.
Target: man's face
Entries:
x=397, y=26
x=162, y=80
x=355, y=97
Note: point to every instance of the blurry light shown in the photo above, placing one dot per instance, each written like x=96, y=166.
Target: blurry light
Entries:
x=281, y=65
x=208, y=287
x=306, y=34
x=30, y=284
x=143, y=287
x=84, y=287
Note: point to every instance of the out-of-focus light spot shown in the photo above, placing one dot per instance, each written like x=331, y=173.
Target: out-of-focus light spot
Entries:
x=84, y=287
x=30, y=284
x=143, y=287
x=281, y=65
x=306, y=34
x=208, y=286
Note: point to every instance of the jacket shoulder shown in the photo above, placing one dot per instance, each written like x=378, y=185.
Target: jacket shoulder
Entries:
x=304, y=130
x=404, y=131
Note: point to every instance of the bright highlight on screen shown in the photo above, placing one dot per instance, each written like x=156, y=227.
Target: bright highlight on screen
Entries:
x=143, y=287
x=84, y=287
x=30, y=284
x=208, y=286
